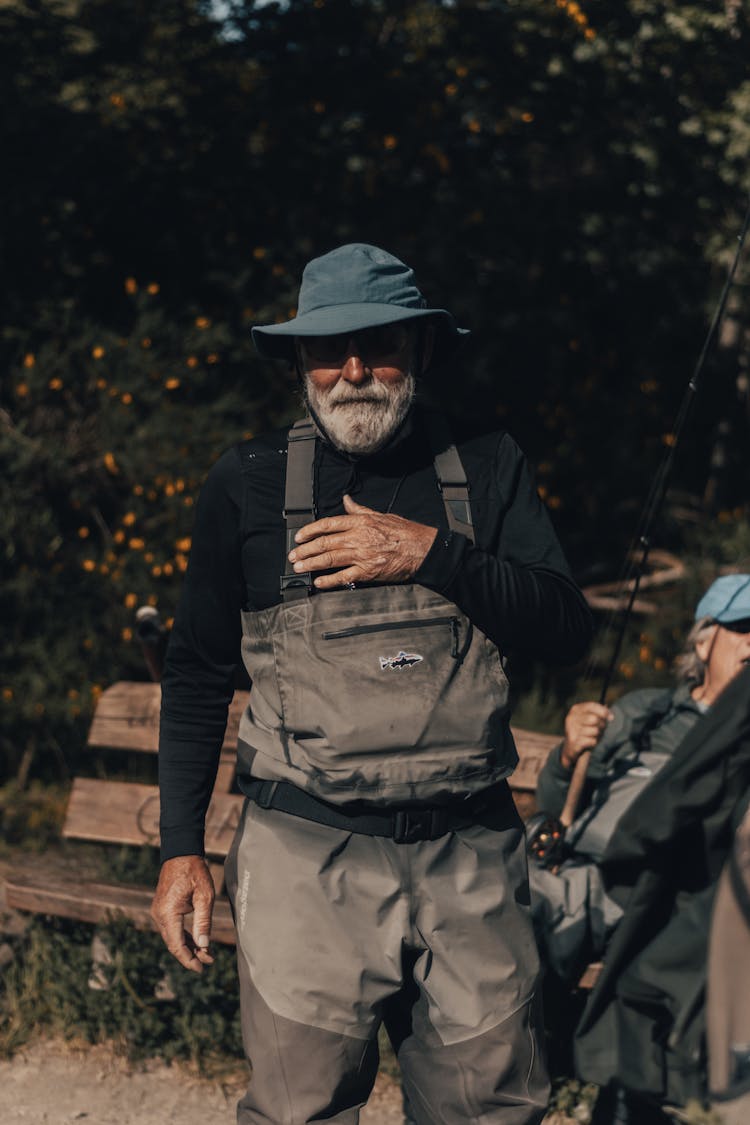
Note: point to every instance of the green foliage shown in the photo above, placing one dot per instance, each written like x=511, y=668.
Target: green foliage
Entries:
x=32, y=817
x=572, y=1100
x=109, y=440
x=138, y=866
x=46, y=987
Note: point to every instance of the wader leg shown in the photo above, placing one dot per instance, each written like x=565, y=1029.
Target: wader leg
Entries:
x=495, y=1077
x=320, y=918
x=300, y=1074
x=471, y=1047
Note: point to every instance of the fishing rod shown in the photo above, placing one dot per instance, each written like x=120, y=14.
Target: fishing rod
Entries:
x=546, y=841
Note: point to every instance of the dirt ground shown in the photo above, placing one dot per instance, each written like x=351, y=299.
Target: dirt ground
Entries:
x=54, y=1083
x=51, y=1083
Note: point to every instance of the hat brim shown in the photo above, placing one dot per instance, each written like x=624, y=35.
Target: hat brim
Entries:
x=276, y=341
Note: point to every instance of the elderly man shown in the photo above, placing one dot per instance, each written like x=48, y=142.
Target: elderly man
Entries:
x=630, y=743
x=371, y=573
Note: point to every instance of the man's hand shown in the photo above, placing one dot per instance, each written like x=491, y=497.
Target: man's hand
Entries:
x=185, y=886
x=362, y=546
x=584, y=724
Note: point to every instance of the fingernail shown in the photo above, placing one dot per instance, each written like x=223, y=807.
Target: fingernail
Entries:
x=202, y=941
x=292, y=556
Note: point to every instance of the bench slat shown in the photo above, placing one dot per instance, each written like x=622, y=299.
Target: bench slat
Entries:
x=127, y=717
x=96, y=902
x=124, y=812
x=533, y=751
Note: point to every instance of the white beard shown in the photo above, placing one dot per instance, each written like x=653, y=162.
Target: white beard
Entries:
x=361, y=419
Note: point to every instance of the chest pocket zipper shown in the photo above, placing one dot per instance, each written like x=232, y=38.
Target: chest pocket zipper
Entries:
x=386, y=626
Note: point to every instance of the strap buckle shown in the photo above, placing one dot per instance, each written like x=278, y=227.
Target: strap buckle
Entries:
x=460, y=482
x=296, y=582
x=412, y=825
x=455, y=495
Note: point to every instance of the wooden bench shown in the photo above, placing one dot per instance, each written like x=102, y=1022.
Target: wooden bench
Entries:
x=123, y=812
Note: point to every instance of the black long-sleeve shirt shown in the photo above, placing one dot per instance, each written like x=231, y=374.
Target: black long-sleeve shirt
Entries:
x=514, y=583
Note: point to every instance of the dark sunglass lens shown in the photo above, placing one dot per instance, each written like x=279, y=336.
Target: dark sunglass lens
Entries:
x=742, y=626
x=371, y=344
x=326, y=349
x=383, y=341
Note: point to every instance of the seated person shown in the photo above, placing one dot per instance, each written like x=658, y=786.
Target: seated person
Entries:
x=631, y=741
x=646, y=1029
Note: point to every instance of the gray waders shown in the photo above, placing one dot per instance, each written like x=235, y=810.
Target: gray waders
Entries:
x=379, y=871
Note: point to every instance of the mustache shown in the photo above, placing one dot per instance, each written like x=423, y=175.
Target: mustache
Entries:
x=347, y=396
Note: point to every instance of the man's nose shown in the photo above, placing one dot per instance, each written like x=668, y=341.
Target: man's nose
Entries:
x=354, y=370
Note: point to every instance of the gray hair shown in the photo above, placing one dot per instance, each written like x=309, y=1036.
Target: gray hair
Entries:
x=688, y=665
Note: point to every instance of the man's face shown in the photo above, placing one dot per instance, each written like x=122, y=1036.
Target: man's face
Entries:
x=725, y=651
x=359, y=386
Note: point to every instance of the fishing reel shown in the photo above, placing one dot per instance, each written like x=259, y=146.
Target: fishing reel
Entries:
x=545, y=840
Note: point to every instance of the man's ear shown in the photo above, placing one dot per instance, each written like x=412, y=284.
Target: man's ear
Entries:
x=706, y=643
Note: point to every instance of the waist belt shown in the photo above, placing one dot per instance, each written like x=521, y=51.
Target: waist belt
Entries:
x=402, y=825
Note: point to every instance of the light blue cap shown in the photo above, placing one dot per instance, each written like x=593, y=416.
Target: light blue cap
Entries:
x=353, y=287
x=726, y=600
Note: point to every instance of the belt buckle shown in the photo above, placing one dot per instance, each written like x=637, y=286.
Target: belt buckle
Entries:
x=413, y=825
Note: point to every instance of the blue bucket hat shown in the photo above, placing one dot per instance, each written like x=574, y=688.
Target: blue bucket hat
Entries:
x=726, y=600
x=353, y=287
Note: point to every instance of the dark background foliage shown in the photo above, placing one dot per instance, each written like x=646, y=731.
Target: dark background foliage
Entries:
x=569, y=179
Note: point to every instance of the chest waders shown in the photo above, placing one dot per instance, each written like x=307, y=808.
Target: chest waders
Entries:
x=382, y=709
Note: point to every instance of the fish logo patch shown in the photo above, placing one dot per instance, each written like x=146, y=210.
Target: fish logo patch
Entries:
x=401, y=660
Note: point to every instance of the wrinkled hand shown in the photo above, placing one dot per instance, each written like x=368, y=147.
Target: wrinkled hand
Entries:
x=362, y=546
x=584, y=724
x=185, y=886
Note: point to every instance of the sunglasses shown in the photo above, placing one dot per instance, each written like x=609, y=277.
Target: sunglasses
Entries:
x=373, y=345
x=742, y=626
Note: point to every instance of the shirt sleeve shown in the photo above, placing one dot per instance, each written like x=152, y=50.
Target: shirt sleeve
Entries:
x=201, y=662
x=552, y=784
x=520, y=594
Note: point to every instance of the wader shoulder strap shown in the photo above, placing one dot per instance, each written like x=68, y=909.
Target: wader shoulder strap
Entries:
x=299, y=503
x=451, y=477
